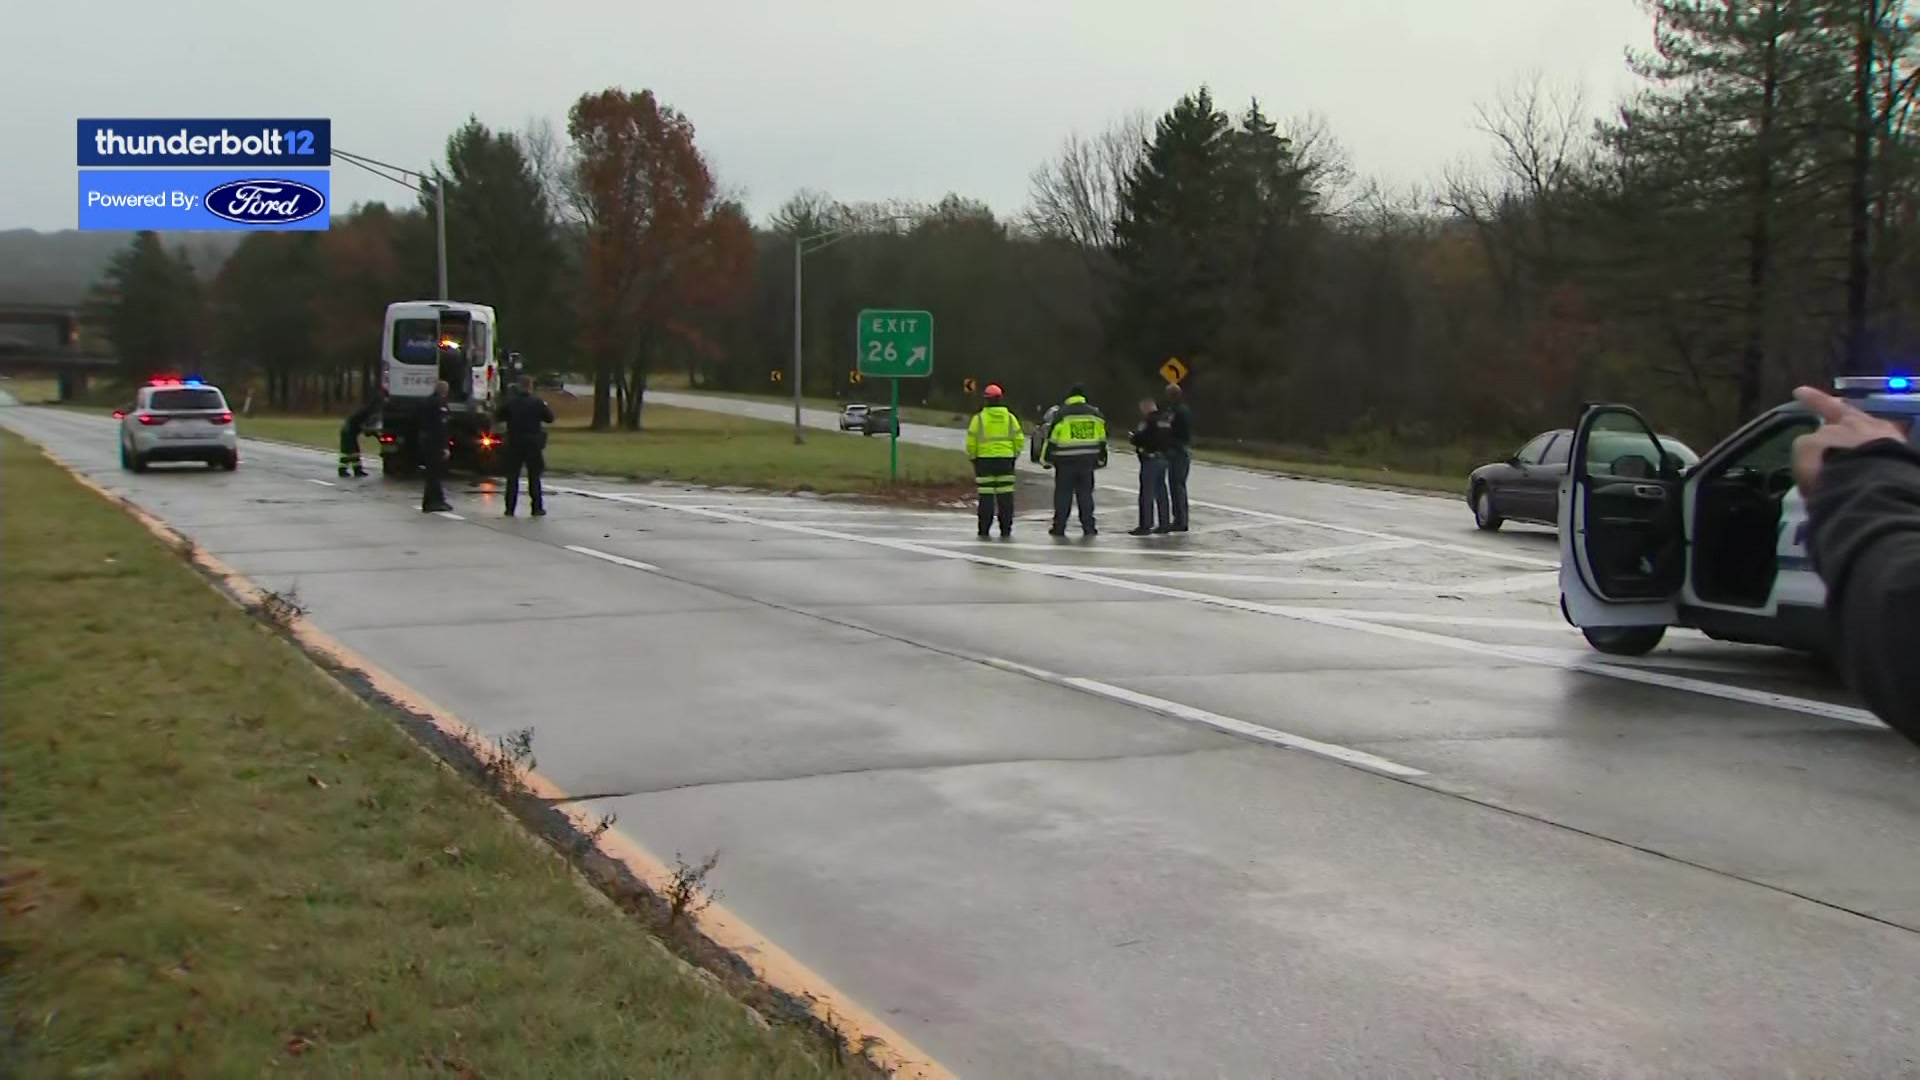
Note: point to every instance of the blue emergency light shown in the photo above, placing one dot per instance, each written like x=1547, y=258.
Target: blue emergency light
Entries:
x=1868, y=385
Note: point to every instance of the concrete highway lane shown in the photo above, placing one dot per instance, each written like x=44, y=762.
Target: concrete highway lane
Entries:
x=1277, y=799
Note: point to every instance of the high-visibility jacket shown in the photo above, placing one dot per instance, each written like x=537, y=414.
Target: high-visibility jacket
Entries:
x=994, y=432
x=1079, y=432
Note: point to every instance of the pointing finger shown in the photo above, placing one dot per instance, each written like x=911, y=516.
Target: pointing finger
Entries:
x=1825, y=405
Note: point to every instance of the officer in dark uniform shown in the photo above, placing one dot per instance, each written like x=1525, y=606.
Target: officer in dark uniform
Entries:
x=1076, y=445
x=524, y=413
x=350, y=433
x=1861, y=476
x=435, y=431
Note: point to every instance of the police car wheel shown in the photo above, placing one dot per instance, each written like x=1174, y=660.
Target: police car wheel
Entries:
x=1624, y=640
x=1483, y=514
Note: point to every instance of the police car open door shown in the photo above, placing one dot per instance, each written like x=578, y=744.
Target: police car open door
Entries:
x=1622, y=538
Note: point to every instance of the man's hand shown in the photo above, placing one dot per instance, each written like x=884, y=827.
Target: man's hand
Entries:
x=1846, y=427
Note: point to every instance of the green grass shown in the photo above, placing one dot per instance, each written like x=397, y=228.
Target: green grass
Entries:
x=1282, y=461
x=1343, y=472
x=696, y=447
x=31, y=390
x=218, y=864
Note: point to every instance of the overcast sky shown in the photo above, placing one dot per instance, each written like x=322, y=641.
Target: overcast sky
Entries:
x=865, y=99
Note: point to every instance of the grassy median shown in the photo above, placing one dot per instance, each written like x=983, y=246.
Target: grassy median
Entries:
x=695, y=447
x=218, y=864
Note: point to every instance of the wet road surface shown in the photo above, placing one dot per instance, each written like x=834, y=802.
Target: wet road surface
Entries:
x=1323, y=789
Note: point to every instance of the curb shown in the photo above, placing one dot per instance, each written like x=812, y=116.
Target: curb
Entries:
x=747, y=949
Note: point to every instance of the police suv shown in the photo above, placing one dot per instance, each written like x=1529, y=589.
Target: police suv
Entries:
x=1720, y=546
x=178, y=420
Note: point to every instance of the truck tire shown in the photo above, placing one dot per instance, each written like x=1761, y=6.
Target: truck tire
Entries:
x=1624, y=640
x=396, y=466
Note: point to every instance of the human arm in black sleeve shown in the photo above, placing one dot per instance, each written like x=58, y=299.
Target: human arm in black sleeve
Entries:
x=1865, y=541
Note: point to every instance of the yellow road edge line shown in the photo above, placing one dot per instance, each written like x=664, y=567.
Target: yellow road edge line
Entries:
x=773, y=965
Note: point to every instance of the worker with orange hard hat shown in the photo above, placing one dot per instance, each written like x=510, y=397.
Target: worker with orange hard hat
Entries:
x=994, y=439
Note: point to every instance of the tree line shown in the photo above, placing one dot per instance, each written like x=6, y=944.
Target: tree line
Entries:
x=1743, y=221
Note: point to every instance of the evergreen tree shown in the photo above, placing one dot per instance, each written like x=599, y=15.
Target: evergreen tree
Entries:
x=1173, y=214
x=154, y=309
x=502, y=243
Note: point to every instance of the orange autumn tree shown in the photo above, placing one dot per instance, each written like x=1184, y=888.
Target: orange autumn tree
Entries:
x=359, y=276
x=660, y=248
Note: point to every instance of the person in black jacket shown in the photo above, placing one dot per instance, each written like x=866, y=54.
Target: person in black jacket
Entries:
x=1180, y=454
x=435, y=431
x=350, y=433
x=1152, y=440
x=524, y=413
x=1861, y=477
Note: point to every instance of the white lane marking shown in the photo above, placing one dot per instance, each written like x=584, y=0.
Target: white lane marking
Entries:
x=1139, y=546
x=609, y=557
x=1341, y=551
x=1266, y=579
x=322, y=483
x=1172, y=709
x=449, y=515
x=1192, y=715
x=1520, y=583
x=1585, y=665
x=1285, y=519
x=1242, y=487
x=1234, y=526
x=1426, y=617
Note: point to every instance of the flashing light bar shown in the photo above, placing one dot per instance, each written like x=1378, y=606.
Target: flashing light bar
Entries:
x=1858, y=385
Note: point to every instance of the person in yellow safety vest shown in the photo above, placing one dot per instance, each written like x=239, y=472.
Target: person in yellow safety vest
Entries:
x=1076, y=446
x=994, y=439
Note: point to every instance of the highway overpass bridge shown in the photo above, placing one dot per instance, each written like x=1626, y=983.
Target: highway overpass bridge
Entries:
x=65, y=341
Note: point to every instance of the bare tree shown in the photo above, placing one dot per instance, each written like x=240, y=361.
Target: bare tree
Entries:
x=1328, y=165
x=551, y=157
x=1076, y=196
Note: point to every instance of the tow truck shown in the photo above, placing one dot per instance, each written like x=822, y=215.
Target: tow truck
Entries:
x=1647, y=542
x=425, y=341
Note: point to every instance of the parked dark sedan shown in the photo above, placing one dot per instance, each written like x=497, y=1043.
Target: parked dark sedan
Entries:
x=1526, y=486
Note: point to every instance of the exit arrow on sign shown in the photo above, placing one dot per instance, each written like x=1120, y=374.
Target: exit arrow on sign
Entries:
x=894, y=344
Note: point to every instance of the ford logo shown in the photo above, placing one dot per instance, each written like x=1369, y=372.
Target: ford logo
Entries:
x=265, y=202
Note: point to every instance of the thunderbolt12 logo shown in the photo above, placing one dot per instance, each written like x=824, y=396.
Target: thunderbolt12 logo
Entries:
x=265, y=202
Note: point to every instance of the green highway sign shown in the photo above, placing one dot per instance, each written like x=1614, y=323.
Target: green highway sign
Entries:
x=896, y=344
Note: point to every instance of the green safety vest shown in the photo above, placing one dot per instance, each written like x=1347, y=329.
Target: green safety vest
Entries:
x=1078, y=430
x=994, y=432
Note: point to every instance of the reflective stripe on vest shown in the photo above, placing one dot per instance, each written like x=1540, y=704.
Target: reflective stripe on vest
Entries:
x=997, y=428
x=1078, y=434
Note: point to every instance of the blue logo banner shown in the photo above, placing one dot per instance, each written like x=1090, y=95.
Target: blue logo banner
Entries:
x=205, y=200
x=181, y=144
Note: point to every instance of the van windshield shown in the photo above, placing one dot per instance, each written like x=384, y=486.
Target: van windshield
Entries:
x=416, y=341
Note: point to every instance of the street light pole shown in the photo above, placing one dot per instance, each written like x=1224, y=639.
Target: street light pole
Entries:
x=440, y=228
x=439, y=183
x=798, y=251
x=820, y=241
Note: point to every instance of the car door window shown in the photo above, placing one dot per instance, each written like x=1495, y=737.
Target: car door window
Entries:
x=1531, y=453
x=1633, y=455
x=1557, y=452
